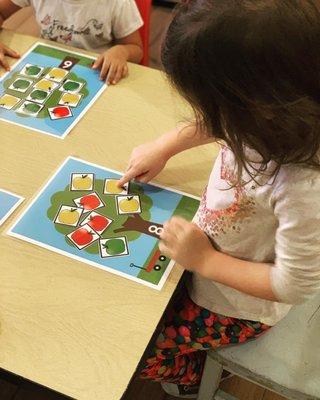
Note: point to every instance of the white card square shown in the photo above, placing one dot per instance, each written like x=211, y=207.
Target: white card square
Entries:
x=83, y=237
x=114, y=247
x=38, y=96
x=29, y=108
x=57, y=74
x=21, y=84
x=70, y=99
x=110, y=187
x=71, y=86
x=89, y=202
x=8, y=102
x=32, y=71
x=46, y=85
x=69, y=216
x=129, y=204
x=82, y=182
x=97, y=222
x=60, y=112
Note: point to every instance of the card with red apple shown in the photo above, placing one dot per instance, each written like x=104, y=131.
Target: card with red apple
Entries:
x=89, y=202
x=97, y=222
x=83, y=236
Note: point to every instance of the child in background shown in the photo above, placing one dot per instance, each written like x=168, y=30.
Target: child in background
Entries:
x=250, y=69
x=87, y=24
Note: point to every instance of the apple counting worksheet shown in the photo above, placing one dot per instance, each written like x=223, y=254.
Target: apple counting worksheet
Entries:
x=9, y=202
x=49, y=89
x=82, y=213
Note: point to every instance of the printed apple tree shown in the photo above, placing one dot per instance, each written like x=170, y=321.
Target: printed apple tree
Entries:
x=129, y=225
x=39, y=94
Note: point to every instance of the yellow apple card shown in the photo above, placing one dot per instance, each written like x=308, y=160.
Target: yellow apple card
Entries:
x=111, y=187
x=68, y=216
x=118, y=233
x=128, y=204
x=82, y=182
x=57, y=74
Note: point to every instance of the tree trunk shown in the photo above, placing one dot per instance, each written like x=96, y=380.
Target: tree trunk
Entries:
x=138, y=224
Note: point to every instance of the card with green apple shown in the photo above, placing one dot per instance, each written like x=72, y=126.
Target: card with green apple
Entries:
x=114, y=247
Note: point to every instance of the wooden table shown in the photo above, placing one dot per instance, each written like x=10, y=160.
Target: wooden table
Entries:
x=66, y=325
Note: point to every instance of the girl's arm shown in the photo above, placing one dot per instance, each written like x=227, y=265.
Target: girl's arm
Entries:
x=113, y=63
x=189, y=246
x=295, y=274
x=7, y=8
x=148, y=159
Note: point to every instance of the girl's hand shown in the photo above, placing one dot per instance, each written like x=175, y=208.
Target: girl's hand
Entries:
x=113, y=64
x=185, y=243
x=146, y=161
x=6, y=51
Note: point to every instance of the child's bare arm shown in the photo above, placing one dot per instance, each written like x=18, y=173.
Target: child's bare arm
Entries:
x=113, y=63
x=7, y=8
x=148, y=159
x=133, y=45
x=188, y=245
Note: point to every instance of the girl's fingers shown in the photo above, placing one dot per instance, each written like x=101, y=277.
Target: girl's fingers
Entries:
x=118, y=75
x=105, y=68
x=130, y=174
x=4, y=62
x=98, y=62
x=125, y=71
x=111, y=74
x=11, y=53
x=167, y=238
x=164, y=249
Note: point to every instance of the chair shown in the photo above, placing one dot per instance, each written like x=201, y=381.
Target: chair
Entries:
x=286, y=360
x=144, y=7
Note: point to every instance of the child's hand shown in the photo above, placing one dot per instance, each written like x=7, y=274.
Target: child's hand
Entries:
x=185, y=243
x=146, y=161
x=113, y=64
x=6, y=51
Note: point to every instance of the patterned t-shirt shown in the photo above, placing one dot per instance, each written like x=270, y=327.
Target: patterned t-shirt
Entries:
x=273, y=220
x=86, y=24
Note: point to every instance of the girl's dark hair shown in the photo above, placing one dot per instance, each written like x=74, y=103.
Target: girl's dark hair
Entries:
x=251, y=71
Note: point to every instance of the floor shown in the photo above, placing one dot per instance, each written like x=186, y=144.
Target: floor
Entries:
x=15, y=388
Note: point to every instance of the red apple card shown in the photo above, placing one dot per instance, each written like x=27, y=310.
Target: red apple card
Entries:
x=69, y=216
x=60, y=112
x=118, y=233
x=97, y=221
x=89, y=202
x=83, y=237
x=128, y=204
x=82, y=182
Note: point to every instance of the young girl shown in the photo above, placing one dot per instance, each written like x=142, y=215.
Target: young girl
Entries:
x=250, y=69
x=87, y=24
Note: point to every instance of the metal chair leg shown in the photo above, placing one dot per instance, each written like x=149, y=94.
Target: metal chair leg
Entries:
x=210, y=379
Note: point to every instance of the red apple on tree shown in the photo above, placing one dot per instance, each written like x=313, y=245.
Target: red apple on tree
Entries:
x=82, y=236
x=98, y=222
x=90, y=202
